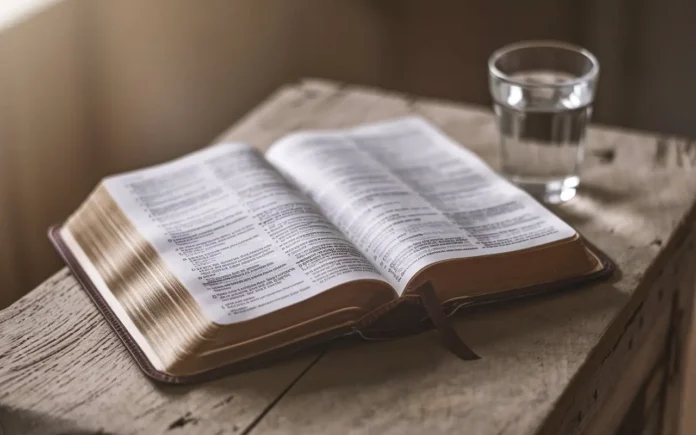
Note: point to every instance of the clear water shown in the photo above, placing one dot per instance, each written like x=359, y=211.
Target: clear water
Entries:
x=542, y=132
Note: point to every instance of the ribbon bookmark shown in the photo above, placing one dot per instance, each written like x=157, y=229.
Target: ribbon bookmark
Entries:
x=433, y=307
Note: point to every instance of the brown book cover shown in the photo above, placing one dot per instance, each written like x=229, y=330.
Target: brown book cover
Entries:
x=389, y=229
x=404, y=317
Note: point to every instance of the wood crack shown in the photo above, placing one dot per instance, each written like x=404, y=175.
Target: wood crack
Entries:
x=52, y=353
x=270, y=406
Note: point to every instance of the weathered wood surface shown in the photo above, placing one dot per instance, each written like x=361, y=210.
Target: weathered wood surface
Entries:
x=550, y=364
x=62, y=370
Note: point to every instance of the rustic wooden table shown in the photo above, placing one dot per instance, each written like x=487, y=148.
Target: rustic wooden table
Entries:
x=594, y=360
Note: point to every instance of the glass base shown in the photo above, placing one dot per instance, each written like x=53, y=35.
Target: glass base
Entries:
x=549, y=190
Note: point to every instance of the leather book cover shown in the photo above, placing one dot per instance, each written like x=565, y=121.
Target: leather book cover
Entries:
x=405, y=316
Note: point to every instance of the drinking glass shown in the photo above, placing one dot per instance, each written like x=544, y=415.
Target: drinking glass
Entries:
x=542, y=95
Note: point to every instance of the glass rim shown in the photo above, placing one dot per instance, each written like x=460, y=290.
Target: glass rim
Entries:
x=507, y=49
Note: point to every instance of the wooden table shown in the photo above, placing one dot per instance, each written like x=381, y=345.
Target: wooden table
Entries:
x=585, y=361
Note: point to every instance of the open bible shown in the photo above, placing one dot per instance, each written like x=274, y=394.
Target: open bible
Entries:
x=229, y=256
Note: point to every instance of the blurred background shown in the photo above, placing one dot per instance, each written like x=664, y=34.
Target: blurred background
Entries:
x=93, y=87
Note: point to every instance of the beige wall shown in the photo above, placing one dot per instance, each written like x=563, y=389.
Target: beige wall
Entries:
x=91, y=87
x=44, y=135
x=171, y=74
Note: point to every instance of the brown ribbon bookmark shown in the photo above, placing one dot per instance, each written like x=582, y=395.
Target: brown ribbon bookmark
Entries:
x=452, y=341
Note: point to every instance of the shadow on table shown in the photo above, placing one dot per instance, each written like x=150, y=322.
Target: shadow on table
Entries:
x=20, y=421
x=599, y=195
x=566, y=324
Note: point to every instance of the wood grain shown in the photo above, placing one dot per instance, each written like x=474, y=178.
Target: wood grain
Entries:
x=549, y=363
x=63, y=370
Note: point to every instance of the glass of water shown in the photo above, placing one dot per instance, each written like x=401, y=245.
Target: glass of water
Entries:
x=542, y=95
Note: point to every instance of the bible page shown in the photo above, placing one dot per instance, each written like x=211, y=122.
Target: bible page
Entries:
x=408, y=196
x=232, y=230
